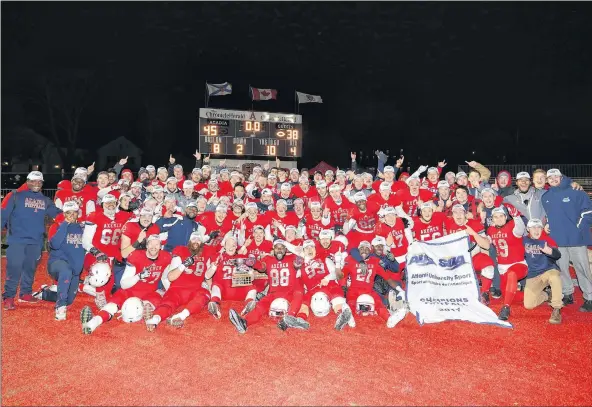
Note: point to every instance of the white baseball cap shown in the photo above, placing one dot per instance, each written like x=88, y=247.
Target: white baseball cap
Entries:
x=458, y=207
x=534, y=223
x=389, y=210
x=553, y=172
x=389, y=168
x=460, y=174
x=70, y=206
x=108, y=198
x=35, y=176
x=251, y=205
x=499, y=209
x=432, y=169
x=266, y=191
x=222, y=208
x=522, y=174
x=286, y=186
x=321, y=184
x=379, y=240
x=282, y=202
x=326, y=234
x=171, y=179
x=170, y=197
x=364, y=243
x=385, y=186
x=340, y=173
x=488, y=191
x=334, y=187
x=188, y=184
x=308, y=243
x=443, y=184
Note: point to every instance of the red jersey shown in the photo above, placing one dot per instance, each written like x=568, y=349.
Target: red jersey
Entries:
x=258, y=251
x=225, y=189
x=510, y=249
x=314, y=227
x=400, y=243
x=334, y=247
x=339, y=212
x=194, y=275
x=410, y=202
x=377, y=202
x=226, y=269
x=313, y=272
x=305, y=196
x=452, y=227
x=319, y=199
x=133, y=228
x=289, y=220
x=365, y=221
x=363, y=281
x=249, y=226
x=281, y=274
x=209, y=222
x=429, y=231
x=430, y=186
x=156, y=267
x=84, y=200
x=108, y=232
x=395, y=186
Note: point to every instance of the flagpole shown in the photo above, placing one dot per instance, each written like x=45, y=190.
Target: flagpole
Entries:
x=251, y=94
x=296, y=102
x=206, y=95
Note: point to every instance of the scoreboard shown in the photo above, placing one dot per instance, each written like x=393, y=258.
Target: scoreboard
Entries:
x=238, y=132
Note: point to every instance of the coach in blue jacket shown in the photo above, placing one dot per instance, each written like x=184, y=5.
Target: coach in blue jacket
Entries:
x=24, y=216
x=569, y=214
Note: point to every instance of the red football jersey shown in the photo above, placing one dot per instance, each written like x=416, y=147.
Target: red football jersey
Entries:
x=510, y=249
x=395, y=186
x=225, y=270
x=410, y=202
x=83, y=198
x=334, y=247
x=365, y=221
x=314, y=227
x=259, y=250
x=363, y=281
x=313, y=272
x=156, y=267
x=250, y=226
x=289, y=220
x=208, y=221
x=398, y=232
x=429, y=231
x=194, y=275
x=377, y=202
x=306, y=196
x=133, y=228
x=281, y=274
x=339, y=213
x=108, y=232
x=452, y=227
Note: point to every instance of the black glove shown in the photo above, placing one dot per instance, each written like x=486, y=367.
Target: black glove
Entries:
x=133, y=205
x=144, y=274
x=405, y=222
x=139, y=245
x=100, y=256
x=189, y=261
x=302, y=221
x=389, y=255
x=338, y=230
x=214, y=234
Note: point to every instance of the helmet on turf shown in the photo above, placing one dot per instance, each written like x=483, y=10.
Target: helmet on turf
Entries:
x=278, y=308
x=99, y=274
x=132, y=310
x=320, y=305
x=365, y=304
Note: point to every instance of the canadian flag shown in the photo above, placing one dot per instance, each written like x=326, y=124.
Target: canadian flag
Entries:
x=263, y=94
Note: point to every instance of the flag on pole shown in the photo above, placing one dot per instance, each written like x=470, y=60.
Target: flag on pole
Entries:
x=263, y=94
x=306, y=98
x=219, y=89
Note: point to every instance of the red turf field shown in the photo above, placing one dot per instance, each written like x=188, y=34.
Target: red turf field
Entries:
x=45, y=362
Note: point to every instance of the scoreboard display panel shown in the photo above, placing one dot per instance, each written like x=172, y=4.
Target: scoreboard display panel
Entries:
x=237, y=132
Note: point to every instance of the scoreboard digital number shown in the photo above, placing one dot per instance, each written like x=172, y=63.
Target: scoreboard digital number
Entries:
x=237, y=132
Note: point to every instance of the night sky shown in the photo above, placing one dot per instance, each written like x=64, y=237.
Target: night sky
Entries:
x=440, y=80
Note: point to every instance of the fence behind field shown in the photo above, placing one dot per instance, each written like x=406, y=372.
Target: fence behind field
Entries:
x=570, y=170
x=47, y=192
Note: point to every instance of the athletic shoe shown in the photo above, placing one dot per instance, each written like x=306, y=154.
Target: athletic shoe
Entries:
x=555, y=316
x=214, y=309
x=39, y=294
x=8, y=304
x=282, y=325
x=504, y=313
x=495, y=292
x=296, y=322
x=568, y=299
x=549, y=294
x=248, y=308
x=85, y=316
x=60, y=313
x=587, y=306
x=239, y=322
x=175, y=322
x=100, y=299
x=262, y=293
x=343, y=318
x=485, y=298
x=396, y=317
x=148, y=311
x=28, y=298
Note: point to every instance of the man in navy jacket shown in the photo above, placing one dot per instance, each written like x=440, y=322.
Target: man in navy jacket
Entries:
x=569, y=213
x=24, y=217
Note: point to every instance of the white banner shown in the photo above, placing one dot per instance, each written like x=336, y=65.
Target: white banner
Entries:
x=244, y=115
x=441, y=283
x=306, y=98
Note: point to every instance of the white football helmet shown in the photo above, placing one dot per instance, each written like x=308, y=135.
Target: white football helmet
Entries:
x=365, y=305
x=278, y=308
x=132, y=310
x=320, y=304
x=99, y=274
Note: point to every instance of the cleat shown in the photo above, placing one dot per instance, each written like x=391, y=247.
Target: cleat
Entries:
x=343, y=318
x=295, y=322
x=39, y=294
x=29, y=299
x=495, y=292
x=8, y=304
x=239, y=322
x=60, y=313
x=392, y=299
x=100, y=299
x=396, y=317
x=148, y=311
x=555, y=316
x=568, y=299
x=586, y=306
x=549, y=294
x=248, y=308
x=175, y=322
x=485, y=298
x=282, y=325
x=214, y=309
x=504, y=313
x=85, y=316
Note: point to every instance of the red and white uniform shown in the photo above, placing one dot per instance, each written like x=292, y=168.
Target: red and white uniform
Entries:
x=339, y=212
x=313, y=272
x=305, y=196
x=510, y=249
x=84, y=199
x=400, y=239
x=314, y=227
x=132, y=230
x=429, y=231
x=365, y=222
x=104, y=233
x=222, y=288
x=209, y=222
x=186, y=290
x=377, y=202
x=395, y=186
x=249, y=226
x=289, y=220
x=409, y=201
x=481, y=261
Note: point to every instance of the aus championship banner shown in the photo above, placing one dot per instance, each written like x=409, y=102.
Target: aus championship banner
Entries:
x=441, y=283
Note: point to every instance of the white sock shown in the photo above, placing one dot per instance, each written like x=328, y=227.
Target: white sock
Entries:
x=94, y=323
x=182, y=315
x=155, y=320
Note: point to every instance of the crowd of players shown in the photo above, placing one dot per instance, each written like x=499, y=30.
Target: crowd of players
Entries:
x=162, y=245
